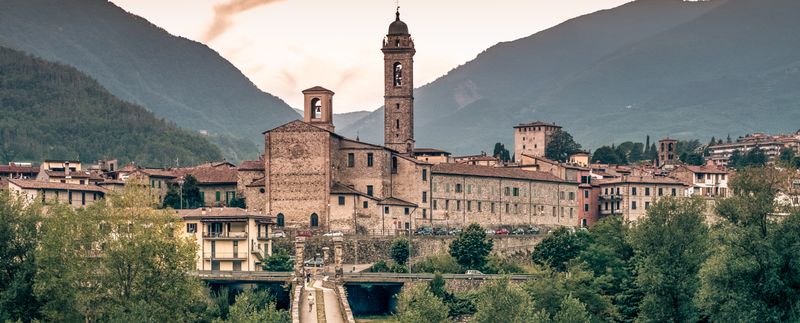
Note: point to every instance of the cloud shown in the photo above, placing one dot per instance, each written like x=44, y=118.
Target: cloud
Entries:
x=224, y=12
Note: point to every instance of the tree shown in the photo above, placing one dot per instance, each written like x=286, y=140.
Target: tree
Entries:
x=471, y=247
x=192, y=198
x=559, y=247
x=416, y=304
x=501, y=152
x=670, y=244
x=787, y=155
x=756, y=157
x=279, y=261
x=500, y=301
x=173, y=197
x=753, y=274
x=561, y=146
x=647, y=147
x=255, y=307
x=18, y=242
x=736, y=159
x=549, y=288
x=117, y=260
x=692, y=159
x=605, y=155
x=400, y=251
x=572, y=311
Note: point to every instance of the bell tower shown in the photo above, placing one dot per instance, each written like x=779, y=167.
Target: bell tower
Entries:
x=398, y=81
x=318, y=107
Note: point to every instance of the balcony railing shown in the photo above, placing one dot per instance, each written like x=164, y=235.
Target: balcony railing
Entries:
x=608, y=212
x=225, y=235
x=226, y=255
x=611, y=196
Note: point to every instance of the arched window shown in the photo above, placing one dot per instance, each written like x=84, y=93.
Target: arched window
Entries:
x=314, y=220
x=281, y=222
x=316, y=108
x=398, y=74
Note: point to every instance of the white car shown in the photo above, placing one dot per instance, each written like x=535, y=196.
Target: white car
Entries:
x=473, y=272
x=279, y=234
x=333, y=234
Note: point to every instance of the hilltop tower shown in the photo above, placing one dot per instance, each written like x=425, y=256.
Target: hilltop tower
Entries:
x=318, y=107
x=398, y=81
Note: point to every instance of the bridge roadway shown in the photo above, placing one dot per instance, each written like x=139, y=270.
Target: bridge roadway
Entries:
x=356, y=277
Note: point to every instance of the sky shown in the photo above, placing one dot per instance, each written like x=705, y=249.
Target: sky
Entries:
x=286, y=46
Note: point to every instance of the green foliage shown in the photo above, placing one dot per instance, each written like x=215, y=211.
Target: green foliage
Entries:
x=443, y=263
x=255, y=307
x=116, y=261
x=501, y=152
x=501, y=301
x=192, y=198
x=457, y=305
x=559, y=247
x=572, y=311
x=549, y=289
x=693, y=159
x=753, y=158
x=279, y=261
x=51, y=111
x=18, y=241
x=753, y=274
x=605, y=155
x=501, y=265
x=561, y=146
x=380, y=266
x=671, y=244
x=471, y=247
x=416, y=304
x=400, y=251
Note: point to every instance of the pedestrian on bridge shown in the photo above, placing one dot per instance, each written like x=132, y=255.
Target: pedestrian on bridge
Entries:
x=310, y=301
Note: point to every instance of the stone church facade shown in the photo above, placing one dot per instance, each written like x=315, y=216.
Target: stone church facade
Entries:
x=315, y=179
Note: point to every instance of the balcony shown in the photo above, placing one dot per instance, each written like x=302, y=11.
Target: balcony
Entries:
x=611, y=197
x=611, y=212
x=226, y=256
x=232, y=235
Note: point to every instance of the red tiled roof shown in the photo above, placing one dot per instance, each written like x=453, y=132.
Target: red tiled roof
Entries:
x=317, y=89
x=639, y=180
x=159, y=173
x=396, y=201
x=252, y=165
x=339, y=188
x=537, y=123
x=705, y=169
x=489, y=171
x=218, y=212
x=18, y=169
x=29, y=184
x=429, y=151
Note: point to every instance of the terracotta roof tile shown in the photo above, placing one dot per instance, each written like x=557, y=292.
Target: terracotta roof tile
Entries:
x=639, y=180
x=29, y=184
x=252, y=165
x=396, y=201
x=18, y=169
x=489, y=171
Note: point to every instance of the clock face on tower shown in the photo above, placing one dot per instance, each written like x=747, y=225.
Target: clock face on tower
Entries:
x=298, y=150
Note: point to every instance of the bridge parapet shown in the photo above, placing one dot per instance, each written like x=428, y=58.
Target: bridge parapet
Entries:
x=243, y=276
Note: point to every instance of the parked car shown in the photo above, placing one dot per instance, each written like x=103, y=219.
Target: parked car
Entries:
x=473, y=272
x=533, y=230
x=502, y=231
x=313, y=262
x=304, y=233
x=424, y=231
x=489, y=231
x=518, y=231
x=440, y=231
x=334, y=234
x=454, y=232
x=279, y=234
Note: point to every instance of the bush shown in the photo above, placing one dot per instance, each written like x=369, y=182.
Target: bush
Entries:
x=380, y=266
x=279, y=261
x=400, y=251
x=471, y=247
x=442, y=263
x=397, y=268
x=416, y=304
x=501, y=265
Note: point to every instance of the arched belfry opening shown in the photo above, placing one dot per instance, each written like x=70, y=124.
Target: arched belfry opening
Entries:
x=316, y=108
x=398, y=73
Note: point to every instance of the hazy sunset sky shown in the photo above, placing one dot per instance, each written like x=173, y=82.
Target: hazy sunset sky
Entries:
x=285, y=46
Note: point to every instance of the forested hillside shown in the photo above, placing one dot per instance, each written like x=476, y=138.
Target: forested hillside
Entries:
x=51, y=111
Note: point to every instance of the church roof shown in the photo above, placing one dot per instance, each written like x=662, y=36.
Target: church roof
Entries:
x=398, y=27
x=317, y=89
x=489, y=171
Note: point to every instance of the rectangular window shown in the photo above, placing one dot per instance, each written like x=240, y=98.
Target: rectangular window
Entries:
x=469, y=189
x=370, y=190
x=446, y=204
x=646, y=191
x=366, y=204
x=394, y=165
x=385, y=210
x=458, y=205
x=351, y=160
x=633, y=191
x=469, y=206
x=633, y=205
x=83, y=198
x=571, y=196
x=516, y=208
x=554, y=211
x=217, y=196
x=370, y=159
x=406, y=211
x=646, y=205
x=152, y=183
x=570, y=213
x=516, y=191
x=435, y=187
x=203, y=197
x=70, y=197
x=479, y=207
x=191, y=227
x=660, y=191
x=492, y=206
x=458, y=188
x=561, y=195
x=508, y=208
x=424, y=213
x=674, y=192
x=424, y=175
x=341, y=200
x=424, y=197
x=586, y=208
x=586, y=194
x=434, y=204
x=84, y=182
x=447, y=188
x=159, y=184
x=507, y=191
